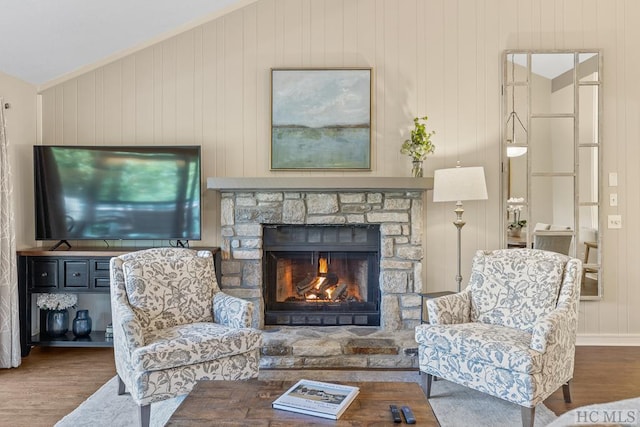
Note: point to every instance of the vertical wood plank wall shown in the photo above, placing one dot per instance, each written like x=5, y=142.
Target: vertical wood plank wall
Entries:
x=211, y=86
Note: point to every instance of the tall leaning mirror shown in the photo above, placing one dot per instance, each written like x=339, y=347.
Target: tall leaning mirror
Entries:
x=551, y=138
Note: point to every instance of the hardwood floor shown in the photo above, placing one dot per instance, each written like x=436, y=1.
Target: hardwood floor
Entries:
x=601, y=374
x=50, y=383
x=53, y=381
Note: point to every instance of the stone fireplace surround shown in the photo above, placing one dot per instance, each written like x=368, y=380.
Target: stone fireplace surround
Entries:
x=396, y=204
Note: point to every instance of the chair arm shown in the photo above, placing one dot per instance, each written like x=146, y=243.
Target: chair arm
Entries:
x=232, y=311
x=450, y=309
x=130, y=327
x=557, y=327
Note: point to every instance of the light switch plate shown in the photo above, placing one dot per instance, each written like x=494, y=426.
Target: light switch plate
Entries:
x=613, y=199
x=615, y=221
x=613, y=179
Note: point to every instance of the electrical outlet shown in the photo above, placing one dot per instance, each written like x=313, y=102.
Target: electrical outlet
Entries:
x=615, y=221
x=613, y=199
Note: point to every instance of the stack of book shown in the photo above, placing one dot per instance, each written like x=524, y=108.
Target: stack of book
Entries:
x=317, y=398
x=108, y=333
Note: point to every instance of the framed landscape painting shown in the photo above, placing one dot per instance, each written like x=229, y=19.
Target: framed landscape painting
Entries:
x=321, y=119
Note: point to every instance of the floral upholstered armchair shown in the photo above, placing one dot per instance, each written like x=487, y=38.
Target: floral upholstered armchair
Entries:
x=173, y=326
x=511, y=333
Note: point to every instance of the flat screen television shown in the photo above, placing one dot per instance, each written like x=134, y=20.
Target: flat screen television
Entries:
x=117, y=192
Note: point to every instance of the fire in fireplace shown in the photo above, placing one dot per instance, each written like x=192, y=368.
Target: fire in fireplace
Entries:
x=338, y=277
x=321, y=275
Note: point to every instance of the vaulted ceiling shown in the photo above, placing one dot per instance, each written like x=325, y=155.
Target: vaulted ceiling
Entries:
x=42, y=40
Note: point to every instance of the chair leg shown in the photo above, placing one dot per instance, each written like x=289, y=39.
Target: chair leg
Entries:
x=121, y=386
x=528, y=414
x=426, y=384
x=145, y=415
x=566, y=391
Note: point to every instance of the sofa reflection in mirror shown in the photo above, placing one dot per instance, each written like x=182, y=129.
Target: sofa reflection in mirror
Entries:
x=554, y=238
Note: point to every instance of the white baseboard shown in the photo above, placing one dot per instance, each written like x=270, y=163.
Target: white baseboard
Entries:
x=608, y=339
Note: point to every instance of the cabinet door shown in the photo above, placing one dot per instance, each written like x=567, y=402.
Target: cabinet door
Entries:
x=100, y=273
x=75, y=274
x=43, y=273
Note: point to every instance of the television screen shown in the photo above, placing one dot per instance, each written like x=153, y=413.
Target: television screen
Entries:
x=117, y=192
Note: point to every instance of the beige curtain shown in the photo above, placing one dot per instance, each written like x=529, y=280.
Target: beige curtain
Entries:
x=9, y=326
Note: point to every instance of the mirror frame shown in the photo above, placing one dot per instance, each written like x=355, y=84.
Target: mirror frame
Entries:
x=525, y=87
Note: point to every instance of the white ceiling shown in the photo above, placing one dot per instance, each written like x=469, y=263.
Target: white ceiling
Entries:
x=551, y=65
x=41, y=40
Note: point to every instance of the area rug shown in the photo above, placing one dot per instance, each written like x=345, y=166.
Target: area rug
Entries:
x=454, y=405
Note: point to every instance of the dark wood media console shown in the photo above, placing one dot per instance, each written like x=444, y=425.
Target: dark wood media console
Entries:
x=78, y=271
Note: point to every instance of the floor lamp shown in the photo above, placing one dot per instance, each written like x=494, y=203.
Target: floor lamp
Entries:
x=456, y=185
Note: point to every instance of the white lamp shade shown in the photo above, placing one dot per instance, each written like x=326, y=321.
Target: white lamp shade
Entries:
x=516, y=151
x=458, y=184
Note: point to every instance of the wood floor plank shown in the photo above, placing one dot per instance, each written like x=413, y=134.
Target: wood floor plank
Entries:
x=51, y=382
x=601, y=374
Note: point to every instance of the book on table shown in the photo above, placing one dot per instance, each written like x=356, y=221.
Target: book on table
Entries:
x=320, y=399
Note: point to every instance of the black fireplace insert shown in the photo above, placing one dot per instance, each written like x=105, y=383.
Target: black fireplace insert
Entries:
x=321, y=275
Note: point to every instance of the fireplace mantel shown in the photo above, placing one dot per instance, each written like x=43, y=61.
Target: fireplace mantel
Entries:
x=320, y=183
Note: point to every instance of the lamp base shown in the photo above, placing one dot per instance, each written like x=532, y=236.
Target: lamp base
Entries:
x=459, y=223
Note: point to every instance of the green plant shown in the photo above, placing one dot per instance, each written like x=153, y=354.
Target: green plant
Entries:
x=517, y=224
x=419, y=145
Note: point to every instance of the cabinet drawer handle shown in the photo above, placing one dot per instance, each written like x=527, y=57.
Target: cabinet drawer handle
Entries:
x=76, y=274
x=44, y=274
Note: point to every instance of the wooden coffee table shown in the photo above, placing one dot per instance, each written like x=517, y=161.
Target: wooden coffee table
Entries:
x=248, y=403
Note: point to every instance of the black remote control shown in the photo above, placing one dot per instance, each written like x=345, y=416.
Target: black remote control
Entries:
x=408, y=415
x=395, y=413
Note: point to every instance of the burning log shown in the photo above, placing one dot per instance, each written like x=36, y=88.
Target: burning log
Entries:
x=303, y=286
x=317, y=285
x=341, y=289
x=329, y=281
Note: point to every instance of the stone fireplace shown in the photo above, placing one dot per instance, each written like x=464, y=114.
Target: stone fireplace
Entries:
x=327, y=219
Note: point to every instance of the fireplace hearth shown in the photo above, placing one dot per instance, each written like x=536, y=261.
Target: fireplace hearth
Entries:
x=322, y=275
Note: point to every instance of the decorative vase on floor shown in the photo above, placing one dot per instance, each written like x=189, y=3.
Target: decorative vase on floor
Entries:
x=57, y=322
x=82, y=323
x=416, y=170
